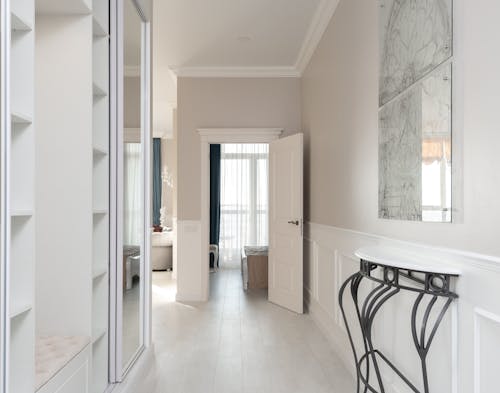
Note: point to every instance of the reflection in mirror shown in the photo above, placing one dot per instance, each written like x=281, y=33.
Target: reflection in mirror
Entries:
x=133, y=190
x=436, y=146
x=415, y=111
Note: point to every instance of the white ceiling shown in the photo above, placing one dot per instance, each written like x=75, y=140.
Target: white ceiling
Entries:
x=230, y=38
x=234, y=36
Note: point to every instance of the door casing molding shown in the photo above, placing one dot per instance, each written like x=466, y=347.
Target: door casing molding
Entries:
x=210, y=136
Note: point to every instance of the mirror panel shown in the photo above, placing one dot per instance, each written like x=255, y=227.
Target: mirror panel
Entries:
x=133, y=190
x=415, y=114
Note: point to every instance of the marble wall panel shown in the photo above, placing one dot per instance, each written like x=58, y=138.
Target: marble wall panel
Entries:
x=415, y=37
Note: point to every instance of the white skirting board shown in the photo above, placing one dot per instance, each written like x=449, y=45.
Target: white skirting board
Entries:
x=463, y=355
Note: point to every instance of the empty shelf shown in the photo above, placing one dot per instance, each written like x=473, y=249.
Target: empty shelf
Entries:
x=20, y=309
x=99, y=91
x=99, y=272
x=99, y=151
x=20, y=118
x=19, y=24
x=21, y=213
x=97, y=334
x=98, y=29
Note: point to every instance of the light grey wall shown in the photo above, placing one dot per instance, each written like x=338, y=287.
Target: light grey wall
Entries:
x=132, y=101
x=226, y=103
x=340, y=121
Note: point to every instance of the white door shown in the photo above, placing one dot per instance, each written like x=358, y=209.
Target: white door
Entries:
x=285, y=222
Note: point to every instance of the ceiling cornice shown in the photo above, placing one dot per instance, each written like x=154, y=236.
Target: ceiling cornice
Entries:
x=321, y=19
x=319, y=23
x=236, y=72
x=239, y=135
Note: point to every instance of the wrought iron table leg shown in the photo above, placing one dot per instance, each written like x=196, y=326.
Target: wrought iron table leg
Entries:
x=388, y=287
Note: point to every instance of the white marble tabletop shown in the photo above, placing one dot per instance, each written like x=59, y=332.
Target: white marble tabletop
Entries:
x=395, y=257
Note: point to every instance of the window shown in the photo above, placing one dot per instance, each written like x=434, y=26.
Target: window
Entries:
x=244, y=198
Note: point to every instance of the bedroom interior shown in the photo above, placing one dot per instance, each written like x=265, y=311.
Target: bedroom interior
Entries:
x=249, y=196
x=239, y=210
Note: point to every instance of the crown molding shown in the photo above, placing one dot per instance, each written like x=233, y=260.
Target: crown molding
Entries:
x=236, y=72
x=321, y=19
x=317, y=28
x=239, y=135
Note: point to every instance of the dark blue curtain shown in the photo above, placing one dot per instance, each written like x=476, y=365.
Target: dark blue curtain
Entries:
x=214, y=197
x=156, y=180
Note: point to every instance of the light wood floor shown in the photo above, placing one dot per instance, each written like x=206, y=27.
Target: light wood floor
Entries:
x=238, y=342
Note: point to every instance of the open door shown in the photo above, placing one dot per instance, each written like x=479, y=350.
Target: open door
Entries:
x=285, y=222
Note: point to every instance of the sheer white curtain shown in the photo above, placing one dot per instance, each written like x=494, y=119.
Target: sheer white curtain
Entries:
x=244, y=199
x=132, y=194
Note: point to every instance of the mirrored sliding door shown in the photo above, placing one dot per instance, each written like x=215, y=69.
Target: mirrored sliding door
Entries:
x=132, y=211
x=133, y=190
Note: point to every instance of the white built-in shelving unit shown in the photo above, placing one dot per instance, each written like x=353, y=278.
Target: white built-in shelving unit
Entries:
x=100, y=175
x=21, y=199
x=55, y=162
x=72, y=52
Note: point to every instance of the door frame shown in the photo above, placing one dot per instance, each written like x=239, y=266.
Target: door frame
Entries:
x=210, y=136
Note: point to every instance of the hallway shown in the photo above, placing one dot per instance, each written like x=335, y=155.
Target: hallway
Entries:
x=238, y=342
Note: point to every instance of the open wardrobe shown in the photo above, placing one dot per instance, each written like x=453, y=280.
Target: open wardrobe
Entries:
x=62, y=300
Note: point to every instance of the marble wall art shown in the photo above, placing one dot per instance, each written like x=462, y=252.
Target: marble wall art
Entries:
x=415, y=37
x=415, y=113
x=400, y=158
x=415, y=133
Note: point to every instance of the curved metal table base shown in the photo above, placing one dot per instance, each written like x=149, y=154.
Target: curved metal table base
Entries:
x=434, y=285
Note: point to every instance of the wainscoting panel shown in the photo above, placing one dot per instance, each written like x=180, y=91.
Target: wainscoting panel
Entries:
x=174, y=248
x=464, y=355
x=189, y=268
x=486, y=350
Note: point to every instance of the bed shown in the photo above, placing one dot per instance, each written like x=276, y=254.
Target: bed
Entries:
x=254, y=267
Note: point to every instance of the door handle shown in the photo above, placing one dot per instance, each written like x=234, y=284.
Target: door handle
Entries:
x=295, y=222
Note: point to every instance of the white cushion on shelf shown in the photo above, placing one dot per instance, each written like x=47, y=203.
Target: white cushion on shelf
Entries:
x=52, y=353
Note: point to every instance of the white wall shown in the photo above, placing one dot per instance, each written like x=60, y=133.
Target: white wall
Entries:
x=340, y=121
x=231, y=103
x=63, y=109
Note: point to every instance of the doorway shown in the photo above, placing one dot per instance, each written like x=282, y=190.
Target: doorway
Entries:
x=285, y=207
x=239, y=210
x=229, y=137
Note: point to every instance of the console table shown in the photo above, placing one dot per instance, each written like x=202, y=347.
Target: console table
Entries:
x=394, y=272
